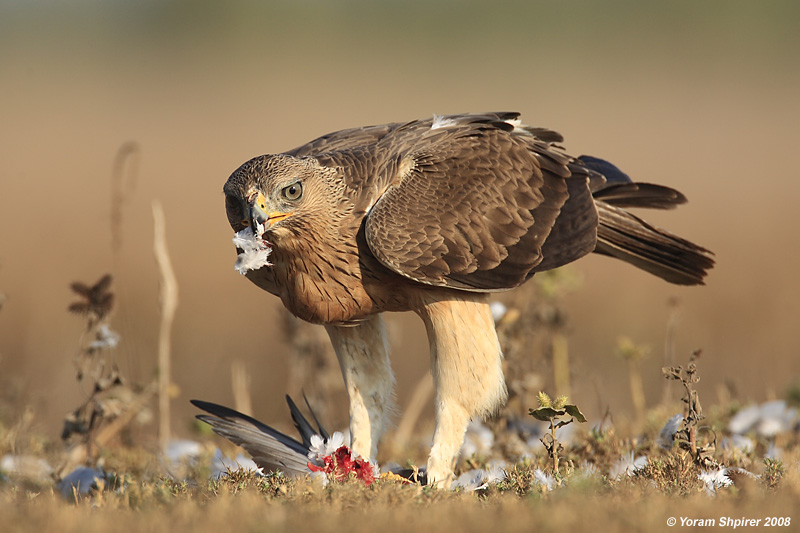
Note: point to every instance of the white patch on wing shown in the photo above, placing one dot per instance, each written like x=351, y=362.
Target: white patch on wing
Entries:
x=517, y=123
x=441, y=121
x=255, y=251
x=519, y=127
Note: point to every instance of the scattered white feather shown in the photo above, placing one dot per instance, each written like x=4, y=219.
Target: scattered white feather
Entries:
x=321, y=448
x=498, y=311
x=744, y=419
x=221, y=464
x=667, y=434
x=80, y=482
x=627, y=466
x=478, y=440
x=738, y=442
x=479, y=478
x=776, y=417
x=774, y=452
x=180, y=456
x=182, y=449
x=255, y=250
x=546, y=481
x=26, y=467
x=320, y=478
x=586, y=470
x=714, y=480
x=767, y=419
x=105, y=338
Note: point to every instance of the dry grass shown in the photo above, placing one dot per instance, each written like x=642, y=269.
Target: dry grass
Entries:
x=668, y=487
x=138, y=494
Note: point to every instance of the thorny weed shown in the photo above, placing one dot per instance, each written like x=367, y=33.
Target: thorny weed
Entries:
x=95, y=304
x=687, y=435
x=773, y=473
x=108, y=393
x=555, y=412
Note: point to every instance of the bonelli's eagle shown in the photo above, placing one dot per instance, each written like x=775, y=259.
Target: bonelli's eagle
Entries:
x=431, y=216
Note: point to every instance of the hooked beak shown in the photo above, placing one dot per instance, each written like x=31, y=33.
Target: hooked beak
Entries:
x=260, y=217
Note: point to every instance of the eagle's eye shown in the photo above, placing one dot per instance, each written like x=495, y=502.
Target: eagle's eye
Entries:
x=293, y=192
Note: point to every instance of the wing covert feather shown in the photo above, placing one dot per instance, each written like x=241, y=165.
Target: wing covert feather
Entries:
x=476, y=207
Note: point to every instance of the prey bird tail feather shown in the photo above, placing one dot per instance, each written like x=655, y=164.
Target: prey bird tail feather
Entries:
x=270, y=449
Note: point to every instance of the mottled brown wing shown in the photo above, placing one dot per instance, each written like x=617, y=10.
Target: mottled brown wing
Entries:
x=476, y=206
x=406, y=131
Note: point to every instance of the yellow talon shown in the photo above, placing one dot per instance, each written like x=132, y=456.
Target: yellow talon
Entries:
x=391, y=476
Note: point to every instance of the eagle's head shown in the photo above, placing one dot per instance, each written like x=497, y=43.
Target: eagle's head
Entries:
x=270, y=191
x=285, y=201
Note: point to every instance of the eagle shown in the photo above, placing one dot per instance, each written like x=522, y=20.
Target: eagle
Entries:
x=433, y=216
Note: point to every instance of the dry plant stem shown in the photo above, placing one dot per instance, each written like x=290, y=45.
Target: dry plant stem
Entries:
x=561, y=364
x=240, y=381
x=637, y=389
x=120, y=187
x=692, y=406
x=555, y=449
x=169, y=303
x=669, y=346
x=78, y=454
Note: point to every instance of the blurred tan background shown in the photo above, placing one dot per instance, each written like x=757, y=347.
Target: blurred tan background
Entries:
x=699, y=96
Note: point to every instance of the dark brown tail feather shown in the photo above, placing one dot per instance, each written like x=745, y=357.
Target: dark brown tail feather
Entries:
x=645, y=195
x=625, y=236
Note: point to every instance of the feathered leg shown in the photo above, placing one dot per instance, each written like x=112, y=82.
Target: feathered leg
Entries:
x=363, y=353
x=467, y=372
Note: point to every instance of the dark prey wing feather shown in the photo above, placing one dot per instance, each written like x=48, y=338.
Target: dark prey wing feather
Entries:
x=476, y=205
x=303, y=427
x=321, y=431
x=302, y=424
x=270, y=449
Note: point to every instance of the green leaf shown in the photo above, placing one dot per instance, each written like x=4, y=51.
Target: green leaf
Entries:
x=575, y=412
x=545, y=414
x=564, y=423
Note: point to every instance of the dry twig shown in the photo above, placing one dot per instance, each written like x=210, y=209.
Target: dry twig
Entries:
x=169, y=303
